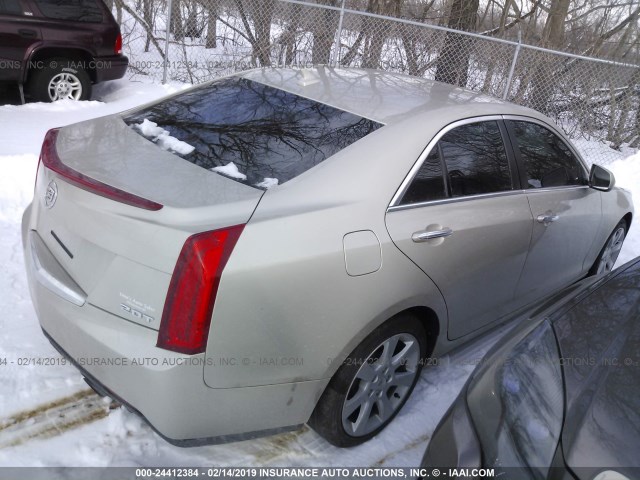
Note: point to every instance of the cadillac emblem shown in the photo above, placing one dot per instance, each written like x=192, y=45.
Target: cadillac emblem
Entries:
x=51, y=195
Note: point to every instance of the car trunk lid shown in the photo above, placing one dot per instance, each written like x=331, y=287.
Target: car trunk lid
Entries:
x=120, y=255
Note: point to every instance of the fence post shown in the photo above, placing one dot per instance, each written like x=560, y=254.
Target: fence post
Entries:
x=166, y=43
x=513, y=66
x=336, y=51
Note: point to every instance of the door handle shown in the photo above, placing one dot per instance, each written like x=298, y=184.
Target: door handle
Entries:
x=27, y=33
x=548, y=218
x=424, y=235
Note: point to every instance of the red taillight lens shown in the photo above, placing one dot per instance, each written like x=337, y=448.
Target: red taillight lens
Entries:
x=117, y=48
x=49, y=158
x=192, y=292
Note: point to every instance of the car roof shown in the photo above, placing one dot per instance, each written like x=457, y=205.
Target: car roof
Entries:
x=385, y=97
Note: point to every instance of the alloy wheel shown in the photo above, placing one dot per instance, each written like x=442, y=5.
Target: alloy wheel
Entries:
x=65, y=85
x=381, y=384
x=611, y=251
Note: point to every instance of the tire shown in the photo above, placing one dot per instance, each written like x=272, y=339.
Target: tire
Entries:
x=609, y=253
x=59, y=78
x=343, y=416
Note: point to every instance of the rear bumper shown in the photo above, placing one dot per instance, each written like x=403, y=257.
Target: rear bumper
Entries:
x=102, y=390
x=110, y=68
x=120, y=359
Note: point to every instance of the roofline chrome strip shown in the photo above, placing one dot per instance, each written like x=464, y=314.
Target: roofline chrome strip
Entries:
x=394, y=205
x=395, y=201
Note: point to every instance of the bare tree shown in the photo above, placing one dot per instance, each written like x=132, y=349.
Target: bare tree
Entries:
x=552, y=37
x=324, y=30
x=288, y=37
x=212, y=23
x=176, y=26
x=147, y=13
x=453, y=61
x=377, y=36
x=260, y=14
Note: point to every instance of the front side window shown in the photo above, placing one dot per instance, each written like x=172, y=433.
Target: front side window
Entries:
x=75, y=10
x=547, y=159
x=468, y=160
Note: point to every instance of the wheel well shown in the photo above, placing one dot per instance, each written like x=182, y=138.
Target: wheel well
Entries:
x=429, y=320
x=72, y=54
x=627, y=218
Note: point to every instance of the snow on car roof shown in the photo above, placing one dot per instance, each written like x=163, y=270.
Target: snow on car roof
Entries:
x=385, y=97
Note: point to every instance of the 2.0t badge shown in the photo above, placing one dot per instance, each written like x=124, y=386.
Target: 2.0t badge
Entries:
x=51, y=195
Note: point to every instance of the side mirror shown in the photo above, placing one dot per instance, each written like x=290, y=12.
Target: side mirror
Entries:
x=601, y=178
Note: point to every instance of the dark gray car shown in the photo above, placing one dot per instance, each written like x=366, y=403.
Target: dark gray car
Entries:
x=559, y=397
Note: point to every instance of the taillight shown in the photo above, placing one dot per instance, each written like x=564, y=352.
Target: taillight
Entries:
x=49, y=158
x=192, y=292
x=117, y=48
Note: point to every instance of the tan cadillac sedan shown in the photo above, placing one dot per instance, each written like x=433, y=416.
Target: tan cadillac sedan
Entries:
x=283, y=246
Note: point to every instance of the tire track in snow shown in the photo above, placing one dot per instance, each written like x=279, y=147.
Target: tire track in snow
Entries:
x=53, y=418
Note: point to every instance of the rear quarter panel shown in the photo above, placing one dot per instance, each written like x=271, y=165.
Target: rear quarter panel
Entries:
x=286, y=294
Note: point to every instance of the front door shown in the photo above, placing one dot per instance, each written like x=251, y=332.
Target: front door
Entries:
x=566, y=211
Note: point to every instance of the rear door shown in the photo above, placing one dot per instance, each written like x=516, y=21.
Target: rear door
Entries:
x=18, y=34
x=566, y=211
x=462, y=219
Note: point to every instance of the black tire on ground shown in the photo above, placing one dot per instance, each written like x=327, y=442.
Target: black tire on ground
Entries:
x=60, y=72
x=326, y=419
x=621, y=224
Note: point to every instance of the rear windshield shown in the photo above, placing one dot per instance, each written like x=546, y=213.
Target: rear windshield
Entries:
x=250, y=132
x=75, y=10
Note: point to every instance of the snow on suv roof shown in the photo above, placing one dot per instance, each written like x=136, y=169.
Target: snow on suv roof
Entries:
x=385, y=97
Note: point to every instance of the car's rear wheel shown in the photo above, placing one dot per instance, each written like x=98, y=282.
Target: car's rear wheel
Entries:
x=58, y=79
x=372, y=384
x=611, y=250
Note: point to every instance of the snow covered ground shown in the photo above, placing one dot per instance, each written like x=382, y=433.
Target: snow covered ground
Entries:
x=49, y=417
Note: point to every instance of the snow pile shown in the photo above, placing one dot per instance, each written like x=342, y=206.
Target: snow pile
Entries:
x=16, y=186
x=24, y=126
x=627, y=173
x=150, y=129
x=163, y=138
x=267, y=183
x=230, y=170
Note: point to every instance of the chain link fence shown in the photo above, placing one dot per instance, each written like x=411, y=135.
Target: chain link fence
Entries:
x=596, y=102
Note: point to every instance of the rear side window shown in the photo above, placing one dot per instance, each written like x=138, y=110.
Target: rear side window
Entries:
x=75, y=10
x=10, y=7
x=548, y=161
x=428, y=183
x=468, y=160
x=250, y=132
x=476, y=159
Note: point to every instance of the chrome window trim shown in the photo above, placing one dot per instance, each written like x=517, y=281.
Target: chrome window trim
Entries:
x=555, y=189
x=443, y=201
x=555, y=130
x=481, y=196
x=394, y=206
x=395, y=200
